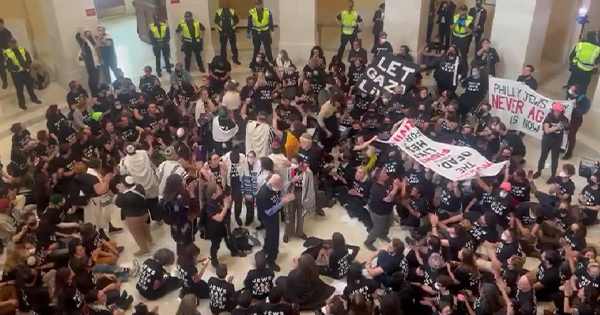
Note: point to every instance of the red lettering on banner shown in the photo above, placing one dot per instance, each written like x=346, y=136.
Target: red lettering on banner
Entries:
x=506, y=103
x=536, y=115
x=476, y=169
x=436, y=156
x=402, y=131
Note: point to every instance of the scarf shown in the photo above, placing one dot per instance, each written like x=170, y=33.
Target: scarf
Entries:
x=308, y=198
x=220, y=135
x=93, y=50
x=255, y=168
x=140, y=167
x=257, y=138
x=226, y=159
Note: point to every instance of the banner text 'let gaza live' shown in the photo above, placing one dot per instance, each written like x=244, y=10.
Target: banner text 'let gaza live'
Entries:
x=386, y=72
x=520, y=107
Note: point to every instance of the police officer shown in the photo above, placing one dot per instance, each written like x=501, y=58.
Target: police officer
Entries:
x=18, y=61
x=260, y=27
x=351, y=22
x=462, y=30
x=5, y=36
x=191, y=33
x=584, y=58
x=227, y=20
x=160, y=35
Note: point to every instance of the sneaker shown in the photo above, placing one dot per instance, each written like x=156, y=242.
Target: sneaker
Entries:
x=551, y=180
x=37, y=101
x=275, y=267
x=126, y=303
x=4, y=85
x=236, y=61
x=202, y=69
x=567, y=156
x=238, y=220
x=23, y=107
x=537, y=174
x=159, y=74
x=114, y=230
x=370, y=246
x=320, y=212
x=286, y=238
x=303, y=236
x=385, y=239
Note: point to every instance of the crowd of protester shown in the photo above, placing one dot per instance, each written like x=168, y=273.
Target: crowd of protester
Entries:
x=198, y=155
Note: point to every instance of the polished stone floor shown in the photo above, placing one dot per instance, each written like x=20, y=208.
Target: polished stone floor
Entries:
x=133, y=56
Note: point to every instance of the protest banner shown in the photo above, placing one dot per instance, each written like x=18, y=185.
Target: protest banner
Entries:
x=520, y=107
x=449, y=161
x=386, y=72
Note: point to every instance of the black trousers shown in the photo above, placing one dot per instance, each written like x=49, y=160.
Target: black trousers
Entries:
x=344, y=40
x=165, y=50
x=194, y=48
x=109, y=65
x=477, y=37
x=463, y=44
x=93, y=77
x=271, y=245
x=170, y=284
x=230, y=37
x=3, y=75
x=551, y=146
x=215, y=244
x=265, y=39
x=22, y=80
x=580, y=77
x=249, y=203
x=444, y=32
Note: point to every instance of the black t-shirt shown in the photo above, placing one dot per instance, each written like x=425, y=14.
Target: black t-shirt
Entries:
x=576, y=243
x=363, y=188
x=252, y=310
x=263, y=66
x=520, y=190
x=549, y=277
x=150, y=272
x=66, y=135
x=185, y=273
x=397, y=263
x=128, y=132
x=584, y=279
x=290, y=79
x=32, y=298
x=85, y=282
x=90, y=244
x=262, y=98
x=592, y=198
x=382, y=47
x=448, y=200
x=420, y=204
x=21, y=140
x=365, y=287
x=70, y=300
x=221, y=295
x=259, y=282
x=74, y=97
x=506, y=250
x=312, y=155
x=554, y=121
x=339, y=262
x=85, y=150
x=376, y=203
x=286, y=112
x=220, y=69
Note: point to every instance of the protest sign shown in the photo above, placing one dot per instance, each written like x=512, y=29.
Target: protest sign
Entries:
x=450, y=161
x=386, y=72
x=520, y=107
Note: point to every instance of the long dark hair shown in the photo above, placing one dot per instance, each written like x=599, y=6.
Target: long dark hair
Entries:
x=173, y=186
x=338, y=242
x=187, y=257
x=62, y=280
x=354, y=273
x=307, y=268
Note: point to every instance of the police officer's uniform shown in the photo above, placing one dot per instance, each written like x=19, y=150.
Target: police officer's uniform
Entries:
x=584, y=58
x=191, y=34
x=226, y=21
x=461, y=34
x=159, y=37
x=260, y=25
x=18, y=62
x=349, y=20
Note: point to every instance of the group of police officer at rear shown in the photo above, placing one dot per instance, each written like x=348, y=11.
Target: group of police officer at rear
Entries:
x=191, y=33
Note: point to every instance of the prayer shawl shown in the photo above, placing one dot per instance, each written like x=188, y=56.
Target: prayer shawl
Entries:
x=249, y=181
x=166, y=169
x=220, y=135
x=140, y=167
x=308, y=194
x=229, y=165
x=279, y=164
x=94, y=56
x=257, y=138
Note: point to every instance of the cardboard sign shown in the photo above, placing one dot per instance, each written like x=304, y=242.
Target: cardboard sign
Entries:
x=90, y=12
x=522, y=108
x=386, y=72
x=450, y=161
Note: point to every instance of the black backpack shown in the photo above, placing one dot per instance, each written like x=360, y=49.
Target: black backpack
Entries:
x=170, y=210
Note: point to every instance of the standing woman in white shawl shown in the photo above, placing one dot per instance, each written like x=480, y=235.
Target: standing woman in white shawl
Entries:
x=234, y=162
x=224, y=129
x=89, y=56
x=250, y=171
x=138, y=165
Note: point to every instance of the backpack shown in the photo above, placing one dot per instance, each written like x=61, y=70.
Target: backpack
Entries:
x=170, y=210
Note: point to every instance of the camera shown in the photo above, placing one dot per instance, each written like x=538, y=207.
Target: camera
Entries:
x=587, y=167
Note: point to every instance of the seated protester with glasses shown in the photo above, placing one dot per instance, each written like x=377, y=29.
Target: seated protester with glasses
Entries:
x=154, y=281
x=259, y=281
x=86, y=282
x=107, y=251
x=334, y=257
x=222, y=294
x=33, y=298
x=389, y=261
x=589, y=200
x=189, y=275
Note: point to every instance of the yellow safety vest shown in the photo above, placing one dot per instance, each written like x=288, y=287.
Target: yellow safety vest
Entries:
x=220, y=24
x=349, y=21
x=159, y=32
x=262, y=24
x=585, y=56
x=461, y=31
x=186, y=30
x=10, y=54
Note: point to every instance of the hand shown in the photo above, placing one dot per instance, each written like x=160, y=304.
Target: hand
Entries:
x=433, y=219
x=328, y=133
x=109, y=276
x=205, y=261
x=53, y=247
x=352, y=192
x=24, y=229
x=297, y=179
x=397, y=183
x=230, y=279
x=525, y=232
x=227, y=201
x=288, y=197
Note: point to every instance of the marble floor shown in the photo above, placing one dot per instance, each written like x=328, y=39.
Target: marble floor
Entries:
x=133, y=56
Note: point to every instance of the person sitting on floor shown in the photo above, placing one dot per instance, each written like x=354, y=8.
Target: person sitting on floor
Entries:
x=155, y=282
x=334, y=258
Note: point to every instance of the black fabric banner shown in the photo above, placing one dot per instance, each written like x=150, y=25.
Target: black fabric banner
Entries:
x=386, y=72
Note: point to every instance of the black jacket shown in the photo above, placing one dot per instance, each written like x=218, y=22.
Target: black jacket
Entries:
x=482, y=18
x=448, y=13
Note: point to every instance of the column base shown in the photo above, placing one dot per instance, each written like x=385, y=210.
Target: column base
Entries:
x=298, y=52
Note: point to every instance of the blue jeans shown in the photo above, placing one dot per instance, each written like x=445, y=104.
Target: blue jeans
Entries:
x=383, y=257
x=119, y=273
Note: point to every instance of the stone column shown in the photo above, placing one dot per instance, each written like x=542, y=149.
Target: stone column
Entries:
x=297, y=29
x=63, y=19
x=518, y=34
x=200, y=10
x=405, y=23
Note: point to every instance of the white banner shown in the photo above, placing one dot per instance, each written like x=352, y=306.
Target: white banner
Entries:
x=520, y=107
x=450, y=161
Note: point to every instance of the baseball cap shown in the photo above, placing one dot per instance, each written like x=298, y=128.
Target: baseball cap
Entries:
x=558, y=106
x=505, y=186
